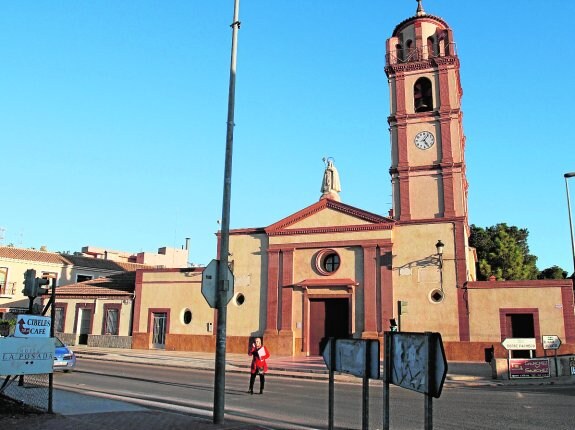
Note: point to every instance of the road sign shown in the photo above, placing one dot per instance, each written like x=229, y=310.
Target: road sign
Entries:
x=351, y=356
x=210, y=287
x=418, y=362
x=551, y=342
x=519, y=343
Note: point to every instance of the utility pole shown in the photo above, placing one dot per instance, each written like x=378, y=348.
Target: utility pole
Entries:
x=223, y=283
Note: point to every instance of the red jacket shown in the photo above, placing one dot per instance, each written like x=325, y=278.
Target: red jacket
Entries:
x=259, y=359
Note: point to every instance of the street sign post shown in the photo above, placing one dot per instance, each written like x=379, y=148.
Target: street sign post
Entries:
x=415, y=361
x=519, y=343
x=210, y=287
x=551, y=342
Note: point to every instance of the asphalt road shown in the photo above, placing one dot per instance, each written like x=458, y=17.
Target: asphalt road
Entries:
x=301, y=403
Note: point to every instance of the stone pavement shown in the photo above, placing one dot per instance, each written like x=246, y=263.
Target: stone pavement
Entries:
x=79, y=411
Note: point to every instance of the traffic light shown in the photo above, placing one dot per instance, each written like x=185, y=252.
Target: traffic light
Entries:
x=33, y=285
x=29, y=283
x=39, y=282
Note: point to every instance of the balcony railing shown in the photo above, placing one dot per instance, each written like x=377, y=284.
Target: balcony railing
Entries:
x=410, y=55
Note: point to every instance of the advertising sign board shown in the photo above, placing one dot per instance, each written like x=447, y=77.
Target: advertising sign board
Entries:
x=21, y=356
x=529, y=368
x=32, y=326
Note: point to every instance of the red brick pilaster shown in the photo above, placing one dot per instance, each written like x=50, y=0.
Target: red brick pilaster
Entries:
x=387, y=303
x=369, y=292
x=286, y=288
x=273, y=281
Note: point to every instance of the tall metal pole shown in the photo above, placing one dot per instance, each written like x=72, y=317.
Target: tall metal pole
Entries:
x=223, y=281
x=566, y=176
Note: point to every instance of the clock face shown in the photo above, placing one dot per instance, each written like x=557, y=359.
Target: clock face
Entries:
x=424, y=140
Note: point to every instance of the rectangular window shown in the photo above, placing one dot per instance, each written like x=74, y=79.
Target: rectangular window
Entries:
x=3, y=279
x=111, y=326
x=82, y=278
x=59, y=320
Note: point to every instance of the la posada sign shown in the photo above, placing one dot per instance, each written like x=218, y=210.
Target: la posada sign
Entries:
x=32, y=326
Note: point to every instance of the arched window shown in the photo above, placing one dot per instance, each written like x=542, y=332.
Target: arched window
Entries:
x=422, y=95
x=410, y=50
x=399, y=53
x=431, y=47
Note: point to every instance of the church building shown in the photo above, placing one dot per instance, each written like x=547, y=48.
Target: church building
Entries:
x=334, y=270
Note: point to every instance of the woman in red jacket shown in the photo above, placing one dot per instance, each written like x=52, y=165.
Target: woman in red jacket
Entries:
x=259, y=365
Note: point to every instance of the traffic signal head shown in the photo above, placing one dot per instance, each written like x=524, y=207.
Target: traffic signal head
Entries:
x=39, y=282
x=29, y=283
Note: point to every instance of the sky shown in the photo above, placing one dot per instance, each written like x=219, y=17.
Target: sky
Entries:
x=113, y=116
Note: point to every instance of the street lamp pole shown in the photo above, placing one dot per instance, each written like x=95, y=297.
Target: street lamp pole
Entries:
x=567, y=176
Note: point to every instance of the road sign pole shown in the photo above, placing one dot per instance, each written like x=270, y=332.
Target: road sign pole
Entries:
x=431, y=353
x=387, y=337
x=223, y=282
x=331, y=389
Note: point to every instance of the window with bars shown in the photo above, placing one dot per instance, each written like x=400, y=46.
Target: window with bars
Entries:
x=59, y=319
x=111, y=323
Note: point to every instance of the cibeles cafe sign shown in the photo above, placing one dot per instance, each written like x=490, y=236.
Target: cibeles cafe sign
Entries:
x=32, y=326
x=31, y=350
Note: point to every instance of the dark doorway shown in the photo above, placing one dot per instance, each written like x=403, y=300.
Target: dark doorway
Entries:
x=522, y=326
x=84, y=326
x=328, y=318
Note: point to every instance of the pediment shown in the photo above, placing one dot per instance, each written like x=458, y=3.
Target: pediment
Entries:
x=329, y=215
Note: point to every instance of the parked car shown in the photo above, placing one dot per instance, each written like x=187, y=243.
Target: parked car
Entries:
x=64, y=357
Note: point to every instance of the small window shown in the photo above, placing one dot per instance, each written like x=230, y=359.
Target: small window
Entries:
x=187, y=316
x=240, y=299
x=82, y=278
x=327, y=262
x=436, y=296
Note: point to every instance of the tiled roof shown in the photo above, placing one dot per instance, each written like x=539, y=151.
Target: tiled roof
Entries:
x=30, y=255
x=68, y=259
x=120, y=284
x=98, y=263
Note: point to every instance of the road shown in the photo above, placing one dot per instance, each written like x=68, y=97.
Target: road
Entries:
x=301, y=403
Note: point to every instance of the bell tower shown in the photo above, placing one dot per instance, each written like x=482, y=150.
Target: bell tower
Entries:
x=427, y=141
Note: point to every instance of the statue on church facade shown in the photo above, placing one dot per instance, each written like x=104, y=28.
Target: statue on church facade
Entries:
x=330, y=186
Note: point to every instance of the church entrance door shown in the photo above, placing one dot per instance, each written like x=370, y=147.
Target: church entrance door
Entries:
x=328, y=318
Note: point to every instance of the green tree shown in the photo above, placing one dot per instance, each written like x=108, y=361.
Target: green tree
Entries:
x=553, y=272
x=502, y=251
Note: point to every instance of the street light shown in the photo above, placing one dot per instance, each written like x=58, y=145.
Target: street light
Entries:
x=439, y=246
x=566, y=176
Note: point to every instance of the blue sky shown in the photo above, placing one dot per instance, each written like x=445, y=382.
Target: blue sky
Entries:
x=113, y=116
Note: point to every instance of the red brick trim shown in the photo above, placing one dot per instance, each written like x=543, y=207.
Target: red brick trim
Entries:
x=151, y=312
x=137, y=304
x=108, y=306
x=568, y=314
x=286, y=291
x=273, y=284
x=91, y=307
x=330, y=244
x=369, y=289
x=503, y=312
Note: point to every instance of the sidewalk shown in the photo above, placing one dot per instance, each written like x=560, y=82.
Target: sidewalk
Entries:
x=74, y=410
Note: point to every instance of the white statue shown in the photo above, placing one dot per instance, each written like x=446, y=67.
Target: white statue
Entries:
x=330, y=186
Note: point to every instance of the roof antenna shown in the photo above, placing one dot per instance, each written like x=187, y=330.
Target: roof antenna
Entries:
x=420, y=11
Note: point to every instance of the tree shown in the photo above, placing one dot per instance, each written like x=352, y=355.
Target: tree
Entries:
x=553, y=272
x=502, y=251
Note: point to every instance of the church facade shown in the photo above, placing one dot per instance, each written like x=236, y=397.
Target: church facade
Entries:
x=332, y=269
